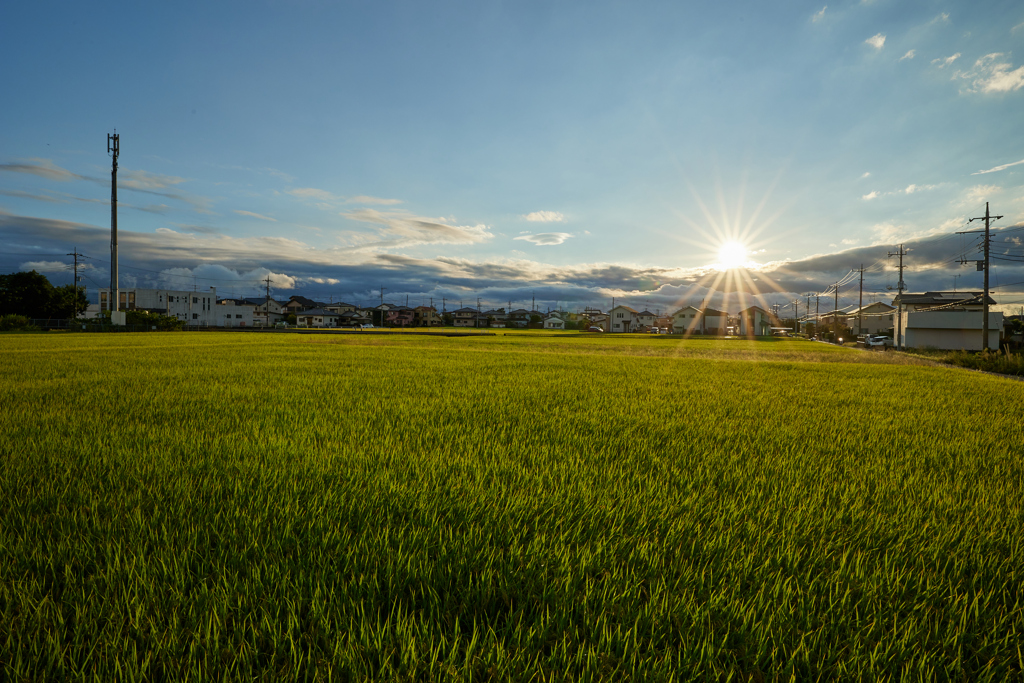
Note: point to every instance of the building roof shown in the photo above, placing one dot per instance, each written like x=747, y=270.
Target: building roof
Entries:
x=869, y=306
x=319, y=311
x=942, y=298
x=465, y=310
x=631, y=310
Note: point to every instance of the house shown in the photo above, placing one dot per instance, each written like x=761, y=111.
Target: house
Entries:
x=496, y=317
x=945, y=320
x=754, y=321
x=235, y=313
x=301, y=303
x=426, y=316
x=266, y=311
x=596, y=318
x=464, y=317
x=317, y=317
x=400, y=316
x=519, y=318
x=693, y=320
x=553, y=322
x=195, y=307
x=645, y=320
x=353, y=319
x=876, y=318
x=624, y=319
x=340, y=307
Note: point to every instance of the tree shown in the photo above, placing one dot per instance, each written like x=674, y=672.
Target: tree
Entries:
x=161, y=322
x=31, y=294
x=68, y=301
x=27, y=294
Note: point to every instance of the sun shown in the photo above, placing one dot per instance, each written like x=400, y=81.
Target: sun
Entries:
x=732, y=255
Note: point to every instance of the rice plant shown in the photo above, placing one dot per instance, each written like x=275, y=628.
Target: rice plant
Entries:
x=523, y=506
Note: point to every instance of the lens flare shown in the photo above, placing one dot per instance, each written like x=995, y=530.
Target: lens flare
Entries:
x=731, y=255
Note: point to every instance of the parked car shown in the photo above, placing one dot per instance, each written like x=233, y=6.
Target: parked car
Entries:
x=281, y=324
x=594, y=329
x=880, y=341
x=365, y=326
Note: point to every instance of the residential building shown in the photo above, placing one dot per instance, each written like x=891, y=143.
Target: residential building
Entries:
x=354, y=318
x=195, y=307
x=945, y=320
x=693, y=320
x=317, y=317
x=235, y=313
x=426, y=316
x=553, y=322
x=876, y=318
x=301, y=303
x=645, y=320
x=464, y=317
x=400, y=316
x=624, y=319
x=754, y=321
x=519, y=318
x=340, y=307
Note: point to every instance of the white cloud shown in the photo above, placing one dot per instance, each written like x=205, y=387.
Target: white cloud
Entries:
x=402, y=229
x=255, y=215
x=944, y=62
x=43, y=168
x=366, y=199
x=942, y=18
x=990, y=75
x=223, y=277
x=866, y=174
x=876, y=41
x=999, y=168
x=311, y=193
x=910, y=55
x=144, y=180
x=912, y=188
x=544, y=239
x=870, y=195
x=47, y=266
x=849, y=242
x=545, y=217
x=323, y=197
x=979, y=193
x=819, y=15
x=1017, y=27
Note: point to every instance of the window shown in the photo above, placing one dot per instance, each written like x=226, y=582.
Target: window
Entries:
x=228, y=315
x=195, y=299
x=195, y=316
x=238, y=315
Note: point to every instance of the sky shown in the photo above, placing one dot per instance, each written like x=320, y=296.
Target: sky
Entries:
x=563, y=153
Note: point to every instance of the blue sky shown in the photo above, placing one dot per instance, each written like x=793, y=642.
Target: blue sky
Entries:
x=570, y=151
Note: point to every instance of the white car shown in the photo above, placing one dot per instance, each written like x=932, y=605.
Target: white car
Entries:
x=879, y=341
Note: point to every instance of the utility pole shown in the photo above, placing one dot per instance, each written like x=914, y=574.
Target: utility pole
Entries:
x=817, y=305
x=478, y=311
x=901, y=252
x=114, y=150
x=988, y=218
x=382, y=306
x=266, y=304
x=860, y=303
x=796, y=315
x=835, y=318
x=76, y=255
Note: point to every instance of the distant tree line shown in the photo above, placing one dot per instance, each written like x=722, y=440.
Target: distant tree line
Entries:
x=31, y=295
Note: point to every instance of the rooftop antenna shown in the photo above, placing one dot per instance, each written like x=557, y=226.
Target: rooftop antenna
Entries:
x=113, y=149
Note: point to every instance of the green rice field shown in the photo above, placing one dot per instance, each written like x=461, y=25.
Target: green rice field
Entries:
x=534, y=507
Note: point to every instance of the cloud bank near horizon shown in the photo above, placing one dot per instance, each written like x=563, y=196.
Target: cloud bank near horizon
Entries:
x=172, y=258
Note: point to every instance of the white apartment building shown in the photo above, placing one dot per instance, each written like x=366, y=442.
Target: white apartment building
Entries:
x=198, y=307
